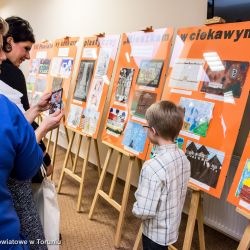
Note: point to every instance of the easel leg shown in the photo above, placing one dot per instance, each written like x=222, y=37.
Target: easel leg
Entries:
x=191, y=220
x=117, y=167
x=54, y=152
x=65, y=162
x=245, y=241
x=138, y=239
x=67, y=136
x=97, y=157
x=200, y=219
x=49, y=141
x=85, y=163
x=124, y=203
x=100, y=183
x=77, y=153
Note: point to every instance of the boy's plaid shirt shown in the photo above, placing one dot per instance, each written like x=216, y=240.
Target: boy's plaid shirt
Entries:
x=161, y=194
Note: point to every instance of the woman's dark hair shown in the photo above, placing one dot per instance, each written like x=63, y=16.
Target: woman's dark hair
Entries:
x=20, y=30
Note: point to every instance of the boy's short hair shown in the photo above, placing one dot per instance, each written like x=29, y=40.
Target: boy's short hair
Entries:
x=166, y=118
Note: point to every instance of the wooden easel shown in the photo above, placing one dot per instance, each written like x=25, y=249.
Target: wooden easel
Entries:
x=121, y=208
x=195, y=212
x=245, y=240
x=53, y=156
x=71, y=172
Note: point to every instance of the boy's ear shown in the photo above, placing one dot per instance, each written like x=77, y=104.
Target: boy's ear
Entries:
x=154, y=131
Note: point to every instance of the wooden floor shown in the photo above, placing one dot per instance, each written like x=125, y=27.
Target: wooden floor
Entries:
x=78, y=232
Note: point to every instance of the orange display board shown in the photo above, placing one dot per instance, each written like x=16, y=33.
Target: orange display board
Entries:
x=209, y=76
x=138, y=83
x=38, y=74
x=239, y=194
x=92, y=83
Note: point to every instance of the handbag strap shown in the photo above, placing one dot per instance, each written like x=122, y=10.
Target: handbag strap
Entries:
x=43, y=171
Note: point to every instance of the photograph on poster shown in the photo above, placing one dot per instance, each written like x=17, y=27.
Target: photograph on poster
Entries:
x=55, y=66
x=116, y=122
x=186, y=74
x=150, y=73
x=57, y=83
x=40, y=85
x=66, y=67
x=142, y=100
x=95, y=94
x=197, y=115
x=103, y=62
x=134, y=136
x=243, y=190
x=124, y=85
x=88, y=122
x=83, y=80
x=227, y=81
x=74, y=116
x=56, y=101
x=205, y=163
x=44, y=66
x=34, y=66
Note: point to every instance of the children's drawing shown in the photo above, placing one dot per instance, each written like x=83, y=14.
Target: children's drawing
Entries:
x=205, y=163
x=197, y=115
x=40, y=85
x=134, y=137
x=34, y=66
x=229, y=80
x=57, y=83
x=83, y=80
x=89, y=119
x=66, y=67
x=95, y=94
x=243, y=190
x=44, y=66
x=116, y=122
x=103, y=62
x=55, y=66
x=74, y=116
x=124, y=85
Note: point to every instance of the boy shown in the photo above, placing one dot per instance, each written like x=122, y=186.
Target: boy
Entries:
x=163, y=180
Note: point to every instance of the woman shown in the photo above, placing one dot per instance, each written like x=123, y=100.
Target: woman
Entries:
x=20, y=156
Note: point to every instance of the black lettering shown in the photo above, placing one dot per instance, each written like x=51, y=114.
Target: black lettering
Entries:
x=228, y=34
x=218, y=34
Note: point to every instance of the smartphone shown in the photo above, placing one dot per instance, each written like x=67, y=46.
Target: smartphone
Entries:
x=56, y=101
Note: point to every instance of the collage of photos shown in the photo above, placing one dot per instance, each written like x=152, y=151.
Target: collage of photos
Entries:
x=205, y=163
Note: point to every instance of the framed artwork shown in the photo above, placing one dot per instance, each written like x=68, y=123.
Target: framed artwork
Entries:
x=56, y=101
x=44, y=66
x=66, y=67
x=83, y=80
x=30, y=83
x=227, y=81
x=57, y=83
x=197, y=115
x=116, y=121
x=134, y=137
x=142, y=100
x=205, y=163
x=150, y=73
x=124, y=85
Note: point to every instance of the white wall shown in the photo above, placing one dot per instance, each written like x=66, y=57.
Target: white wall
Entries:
x=53, y=19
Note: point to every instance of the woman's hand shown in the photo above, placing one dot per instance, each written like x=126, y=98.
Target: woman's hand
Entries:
x=50, y=122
